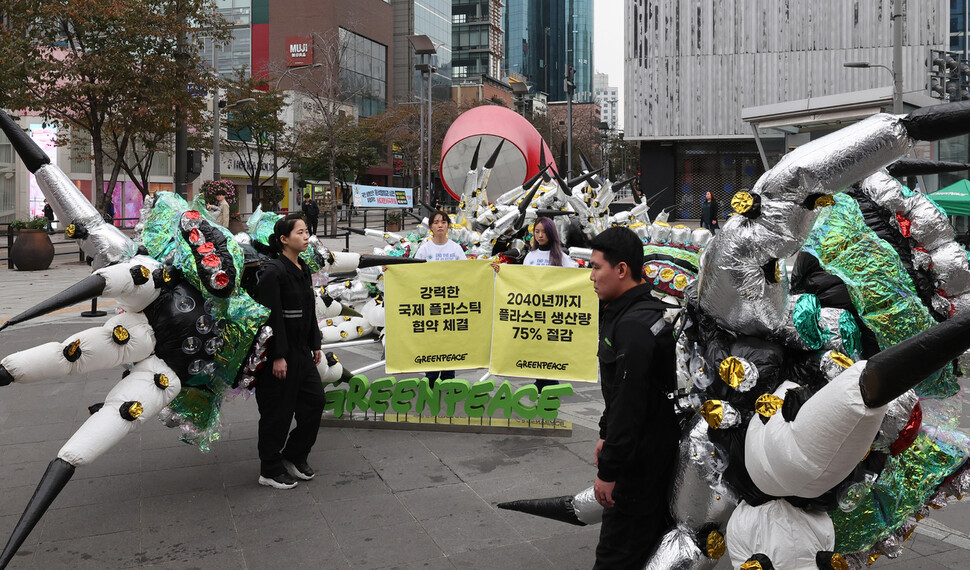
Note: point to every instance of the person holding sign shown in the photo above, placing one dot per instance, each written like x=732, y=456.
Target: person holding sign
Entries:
x=291, y=386
x=546, y=252
x=638, y=429
x=547, y=247
x=440, y=248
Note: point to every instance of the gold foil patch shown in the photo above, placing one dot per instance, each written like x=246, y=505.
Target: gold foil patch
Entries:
x=841, y=359
x=741, y=202
x=768, y=404
x=713, y=412
x=731, y=371
x=824, y=201
x=715, y=545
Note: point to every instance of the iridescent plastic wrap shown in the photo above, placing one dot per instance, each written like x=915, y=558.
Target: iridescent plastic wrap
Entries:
x=99, y=240
x=677, y=551
x=693, y=502
x=905, y=484
x=879, y=285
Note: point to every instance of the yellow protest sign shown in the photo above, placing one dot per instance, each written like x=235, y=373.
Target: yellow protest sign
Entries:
x=438, y=316
x=546, y=323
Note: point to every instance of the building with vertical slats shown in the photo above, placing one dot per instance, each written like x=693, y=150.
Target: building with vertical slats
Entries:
x=692, y=70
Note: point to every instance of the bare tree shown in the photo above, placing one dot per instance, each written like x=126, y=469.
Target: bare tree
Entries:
x=330, y=91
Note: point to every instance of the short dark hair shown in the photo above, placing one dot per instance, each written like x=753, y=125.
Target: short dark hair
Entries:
x=221, y=193
x=441, y=213
x=620, y=244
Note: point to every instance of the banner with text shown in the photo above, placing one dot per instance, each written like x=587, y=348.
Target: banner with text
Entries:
x=382, y=197
x=550, y=334
x=438, y=315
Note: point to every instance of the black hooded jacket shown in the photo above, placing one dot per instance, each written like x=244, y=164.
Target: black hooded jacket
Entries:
x=637, y=370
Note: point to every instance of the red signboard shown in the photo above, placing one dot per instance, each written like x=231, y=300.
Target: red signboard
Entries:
x=299, y=51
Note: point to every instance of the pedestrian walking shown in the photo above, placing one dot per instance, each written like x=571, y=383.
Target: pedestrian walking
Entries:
x=312, y=213
x=289, y=386
x=709, y=212
x=49, y=214
x=639, y=433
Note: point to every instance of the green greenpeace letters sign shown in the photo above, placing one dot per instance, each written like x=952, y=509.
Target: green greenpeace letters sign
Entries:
x=416, y=396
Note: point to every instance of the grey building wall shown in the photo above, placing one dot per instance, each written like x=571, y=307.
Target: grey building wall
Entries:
x=691, y=67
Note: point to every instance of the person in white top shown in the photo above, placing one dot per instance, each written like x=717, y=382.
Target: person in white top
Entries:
x=546, y=246
x=440, y=248
x=546, y=252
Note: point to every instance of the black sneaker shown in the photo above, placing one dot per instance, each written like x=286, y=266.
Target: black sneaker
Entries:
x=299, y=470
x=281, y=481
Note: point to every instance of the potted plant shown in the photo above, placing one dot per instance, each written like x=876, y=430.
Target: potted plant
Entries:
x=32, y=249
x=393, y=222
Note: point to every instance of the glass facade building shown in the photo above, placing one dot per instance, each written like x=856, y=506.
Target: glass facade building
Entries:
x=543, y=37
x=237, y=54
x=432, y=18
x=363, y=72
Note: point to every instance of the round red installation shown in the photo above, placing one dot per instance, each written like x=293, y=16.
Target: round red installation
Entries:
x=517, y=161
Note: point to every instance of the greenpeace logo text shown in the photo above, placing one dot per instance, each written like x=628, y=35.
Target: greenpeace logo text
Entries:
x=541, y=365
x=421, y=359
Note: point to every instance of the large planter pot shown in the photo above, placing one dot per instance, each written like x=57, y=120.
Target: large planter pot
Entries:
x=32, y=250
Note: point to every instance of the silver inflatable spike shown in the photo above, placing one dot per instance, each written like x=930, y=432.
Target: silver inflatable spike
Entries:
x=101, y=241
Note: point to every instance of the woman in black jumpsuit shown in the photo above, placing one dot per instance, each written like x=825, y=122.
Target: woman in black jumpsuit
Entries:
x=288, y=385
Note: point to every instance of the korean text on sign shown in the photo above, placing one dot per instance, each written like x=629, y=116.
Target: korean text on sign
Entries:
x=552, y=334
x=438, y=316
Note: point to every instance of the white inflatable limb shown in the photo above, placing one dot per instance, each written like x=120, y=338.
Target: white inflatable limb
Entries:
x=96, y=348
x=808, y=456
x=151, y=385
x=120, y=282
x=789, y=536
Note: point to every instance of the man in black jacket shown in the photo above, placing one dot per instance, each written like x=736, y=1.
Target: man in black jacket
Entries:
x=638, y=430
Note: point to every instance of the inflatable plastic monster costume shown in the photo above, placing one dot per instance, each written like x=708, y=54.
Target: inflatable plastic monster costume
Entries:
x=188, y=333
x=795, y=452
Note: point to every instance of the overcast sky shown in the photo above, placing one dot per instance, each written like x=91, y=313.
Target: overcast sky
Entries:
x=608, y=31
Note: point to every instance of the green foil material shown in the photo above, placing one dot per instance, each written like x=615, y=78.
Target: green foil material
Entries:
x=805, y=316
x=903, y=487
x=851, y=335
x=200, y=399
x=878, y=284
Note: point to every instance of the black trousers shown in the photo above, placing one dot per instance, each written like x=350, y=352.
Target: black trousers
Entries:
x=439, y=374
x=311, y=224
x=629, y=533
x=299, y=395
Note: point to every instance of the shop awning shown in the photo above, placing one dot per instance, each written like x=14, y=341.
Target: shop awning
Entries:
x=954, y=199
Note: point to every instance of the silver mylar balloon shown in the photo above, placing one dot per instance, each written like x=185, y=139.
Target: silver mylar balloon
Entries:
x=678, y=551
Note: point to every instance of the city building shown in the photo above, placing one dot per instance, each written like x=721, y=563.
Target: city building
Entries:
x=543, y=37
x=587, y=130
x=475, y=90
x=700, y=83
x=476, y=38
x=608, y=98
x=430, y=18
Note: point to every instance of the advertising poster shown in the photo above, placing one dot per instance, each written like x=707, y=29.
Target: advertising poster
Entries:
x=438, y=315
x=545, y=324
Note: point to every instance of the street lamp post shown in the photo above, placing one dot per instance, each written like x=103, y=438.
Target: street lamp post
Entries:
x=424, y=46
x=897, y=68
